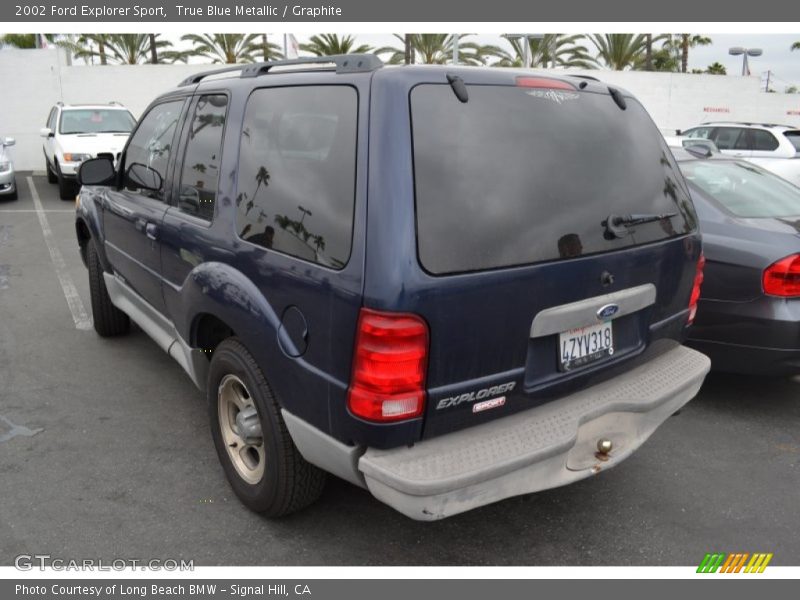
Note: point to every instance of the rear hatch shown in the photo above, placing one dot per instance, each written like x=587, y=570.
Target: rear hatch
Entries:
x=556, y=237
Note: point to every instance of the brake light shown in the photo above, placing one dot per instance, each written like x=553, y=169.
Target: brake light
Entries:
x=698, y=282
x=390, y=361
x=545, y=82
x=783, y=277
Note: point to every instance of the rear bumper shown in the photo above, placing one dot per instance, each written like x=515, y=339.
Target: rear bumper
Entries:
x=758, y=337
x=545, y=447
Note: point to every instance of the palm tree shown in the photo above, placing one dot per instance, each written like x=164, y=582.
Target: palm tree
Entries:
x=25, y=41
x=686, y=41
x=262, y=178
x=269, y=51
x=226, y=48
x=716, y=68
x=328, y=44
x=153, y=48
x=542, y=52
x=619, y=51
x=120, y=48
x=796, y=46
x=437, y=49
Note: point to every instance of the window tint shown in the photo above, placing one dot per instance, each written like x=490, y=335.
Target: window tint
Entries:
x=730, y=138
x=794, y=137
x=200, y=174
x=297, y=171
x=96, y=121
x=517, y=176
x=149, y=150
x=763, y=140
x=744, y=189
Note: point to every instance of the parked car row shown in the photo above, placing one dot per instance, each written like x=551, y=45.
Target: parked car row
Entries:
x=446, y=285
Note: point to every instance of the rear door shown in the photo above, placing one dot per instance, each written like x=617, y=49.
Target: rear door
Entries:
x=133, y=214
x=533, y=285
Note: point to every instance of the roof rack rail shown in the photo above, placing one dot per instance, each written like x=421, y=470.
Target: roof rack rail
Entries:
x=589, y=77
x=115, y=103
x=345, y=63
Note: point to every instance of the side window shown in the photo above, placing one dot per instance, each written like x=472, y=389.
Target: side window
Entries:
x=201, y=161
x=51, y=119
x=149, y=150
x=297, y=170
x=727, y=138
x=763, y=140
x=698, y=132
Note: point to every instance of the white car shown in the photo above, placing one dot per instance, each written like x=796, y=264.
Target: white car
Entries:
x=75, y=133
x=8, y=182
x=773, y=147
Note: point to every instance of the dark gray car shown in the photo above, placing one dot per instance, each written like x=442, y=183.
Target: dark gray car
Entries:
x=748, y=317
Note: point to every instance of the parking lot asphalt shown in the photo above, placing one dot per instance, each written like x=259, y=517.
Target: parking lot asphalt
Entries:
x=105, y=453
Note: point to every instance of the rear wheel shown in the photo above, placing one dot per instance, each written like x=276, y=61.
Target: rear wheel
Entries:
x=66, y=188
x=108, y=319
x=261, y=462
x=51, y=177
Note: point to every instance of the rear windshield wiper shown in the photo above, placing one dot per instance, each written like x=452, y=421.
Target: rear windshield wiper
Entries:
x=618, y=226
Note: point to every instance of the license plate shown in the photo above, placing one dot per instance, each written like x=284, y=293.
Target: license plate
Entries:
x=579, y=347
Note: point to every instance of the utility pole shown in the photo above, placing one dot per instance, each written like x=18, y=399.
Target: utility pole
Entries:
x=455, y=48
x=768, y=74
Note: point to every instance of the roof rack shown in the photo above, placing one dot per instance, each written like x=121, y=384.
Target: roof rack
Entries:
x=748, y=123
x=344, y=63
x=589, y=77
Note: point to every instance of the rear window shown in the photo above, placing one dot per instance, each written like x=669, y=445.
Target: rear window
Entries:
x=517, y=176
x=744, y=189
x=96, y=121
x=794, y=137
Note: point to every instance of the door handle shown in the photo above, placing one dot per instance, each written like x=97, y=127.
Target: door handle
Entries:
x=151, y=231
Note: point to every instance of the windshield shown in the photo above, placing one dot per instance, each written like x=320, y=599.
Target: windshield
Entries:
x=517, y=176
x=744, y=189
x=96, y=120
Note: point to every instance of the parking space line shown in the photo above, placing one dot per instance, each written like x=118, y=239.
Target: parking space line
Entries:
x=79, y=314
x=33, y=210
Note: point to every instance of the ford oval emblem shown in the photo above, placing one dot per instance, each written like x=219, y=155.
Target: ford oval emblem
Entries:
x=607, y=312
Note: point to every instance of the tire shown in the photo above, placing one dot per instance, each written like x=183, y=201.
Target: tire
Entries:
x=109, y=321
x=51, y=177
x=66, y=188
x=282, y=482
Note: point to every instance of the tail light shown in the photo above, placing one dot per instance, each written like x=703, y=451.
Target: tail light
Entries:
x=698, y=282
x=389, y=365
x=783, y=277
x=546, y=83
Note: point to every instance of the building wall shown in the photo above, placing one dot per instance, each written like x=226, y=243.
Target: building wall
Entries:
x=34, y=80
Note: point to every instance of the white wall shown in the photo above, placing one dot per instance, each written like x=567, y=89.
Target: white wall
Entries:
x=34, y=80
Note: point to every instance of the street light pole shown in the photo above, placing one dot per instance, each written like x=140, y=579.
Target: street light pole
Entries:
x=745, y=52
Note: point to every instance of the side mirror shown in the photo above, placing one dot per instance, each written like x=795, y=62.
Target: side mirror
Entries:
x=96, y=171
x=9, y=142
x=143, y=177
x=46, y=132
x=677, y=132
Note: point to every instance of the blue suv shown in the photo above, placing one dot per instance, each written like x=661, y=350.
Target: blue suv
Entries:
x=446, y=285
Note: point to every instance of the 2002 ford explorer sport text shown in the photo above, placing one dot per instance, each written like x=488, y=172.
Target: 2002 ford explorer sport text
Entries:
x=446, y=285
